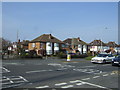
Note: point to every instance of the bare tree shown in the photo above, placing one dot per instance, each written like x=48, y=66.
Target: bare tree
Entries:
x=4, y=44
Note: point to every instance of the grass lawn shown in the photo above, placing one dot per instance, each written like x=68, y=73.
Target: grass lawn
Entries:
x=89, y=57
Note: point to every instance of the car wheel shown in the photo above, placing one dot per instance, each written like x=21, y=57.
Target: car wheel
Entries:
x=104, y=61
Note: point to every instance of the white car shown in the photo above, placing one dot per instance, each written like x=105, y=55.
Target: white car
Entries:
x=102, y=58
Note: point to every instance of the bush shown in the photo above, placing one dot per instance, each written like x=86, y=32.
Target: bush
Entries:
x=30, y=54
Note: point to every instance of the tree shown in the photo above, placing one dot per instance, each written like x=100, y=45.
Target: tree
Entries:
x=5, y=44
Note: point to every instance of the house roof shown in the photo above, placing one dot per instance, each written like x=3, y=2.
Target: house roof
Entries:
x=77, y=41
x=47, y=38
x=74, y=41
x=68, y=41
x=97, y=43
x=25, y=42
x=112, y=44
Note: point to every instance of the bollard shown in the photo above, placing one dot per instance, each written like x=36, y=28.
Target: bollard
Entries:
x=68, y=57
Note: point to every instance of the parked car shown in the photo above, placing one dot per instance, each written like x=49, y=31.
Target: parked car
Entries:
x=102, y=58
x=116, y=61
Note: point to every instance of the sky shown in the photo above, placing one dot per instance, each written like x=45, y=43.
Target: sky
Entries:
x=87, y=20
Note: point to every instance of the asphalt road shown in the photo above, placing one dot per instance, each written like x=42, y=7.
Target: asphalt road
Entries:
x=58, y=74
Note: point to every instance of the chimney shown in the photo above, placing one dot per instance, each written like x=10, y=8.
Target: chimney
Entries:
x=18, y=40
x=50, y=36
x=78, y=38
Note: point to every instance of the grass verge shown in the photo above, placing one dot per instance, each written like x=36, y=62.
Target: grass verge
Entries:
x=89, y=57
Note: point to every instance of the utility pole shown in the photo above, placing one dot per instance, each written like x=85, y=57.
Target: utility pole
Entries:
x=17, y=35
x=101, y=44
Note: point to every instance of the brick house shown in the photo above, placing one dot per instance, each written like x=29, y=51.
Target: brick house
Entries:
x=76, y=45
x=45, y=44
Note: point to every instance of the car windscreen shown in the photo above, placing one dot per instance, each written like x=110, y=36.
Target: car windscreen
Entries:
x=118, y=56
x=110, y=55
x=102, y=55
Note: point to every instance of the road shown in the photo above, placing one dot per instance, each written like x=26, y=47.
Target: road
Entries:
x=58, y=73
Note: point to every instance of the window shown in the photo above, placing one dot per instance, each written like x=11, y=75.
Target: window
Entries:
x=33, y=44
x=56, y=44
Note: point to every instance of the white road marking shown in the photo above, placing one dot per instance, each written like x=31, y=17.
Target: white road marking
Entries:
x=43, y=86
x=6, y=83
x=19, y=81
x=6, y=69
x=62, y=69
x=38, y=71
x=54, y=64
x=106, y=65
x=68, y=86
x=15, y=78
x=86, y=79
x=80, y=83
x=68, y=66
x=112, y=73
x=105, y=75
x=96, y=76
x=59, y=84
x=4, y=80
x=96, y=85
x=23, y=79
x=75, y=81
x=8, y=86
x=92, y=85
x=10, y=80
x=89, y=66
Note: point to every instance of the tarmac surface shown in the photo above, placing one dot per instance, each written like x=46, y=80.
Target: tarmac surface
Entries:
x=58, y=74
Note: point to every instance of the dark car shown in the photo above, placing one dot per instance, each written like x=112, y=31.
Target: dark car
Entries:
x=116, y=61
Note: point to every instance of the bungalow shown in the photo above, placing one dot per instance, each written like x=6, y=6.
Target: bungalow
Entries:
x=45, y=44
x=113, y=46
x=97, y=46
x=76, y=45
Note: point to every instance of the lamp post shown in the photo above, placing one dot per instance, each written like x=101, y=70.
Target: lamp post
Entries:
x=101, y=40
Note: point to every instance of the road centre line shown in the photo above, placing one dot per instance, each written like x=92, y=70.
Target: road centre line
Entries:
x=68, y=86
x=42, y=86
x=59, y=84
x=38, y=71
x=86, y=79
x=96, y=76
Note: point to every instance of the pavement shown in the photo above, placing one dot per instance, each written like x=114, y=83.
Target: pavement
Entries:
x=58, y=74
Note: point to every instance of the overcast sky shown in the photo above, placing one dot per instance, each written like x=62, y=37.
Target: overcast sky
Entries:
x=87, y=20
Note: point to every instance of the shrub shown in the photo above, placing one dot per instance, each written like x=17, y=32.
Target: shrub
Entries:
x=30, y=54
